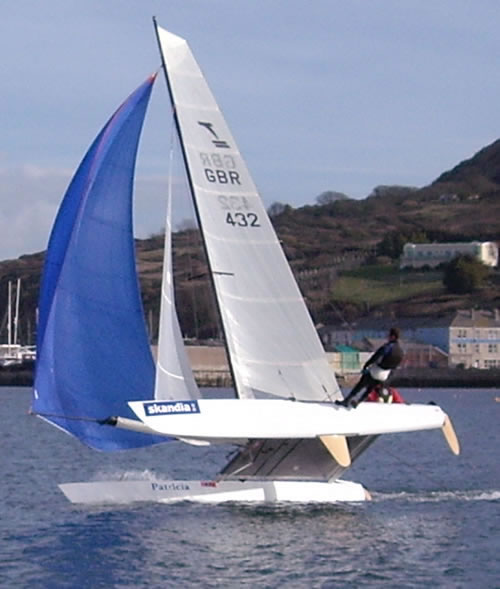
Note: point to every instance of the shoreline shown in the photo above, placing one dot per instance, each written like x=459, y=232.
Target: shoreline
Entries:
x=446, y=378
x=405, y=378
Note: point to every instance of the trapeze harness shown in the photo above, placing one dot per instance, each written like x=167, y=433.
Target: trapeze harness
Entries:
x=384, y=395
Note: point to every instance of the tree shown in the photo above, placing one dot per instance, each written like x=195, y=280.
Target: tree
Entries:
x=393, y=243
x=276, y=208
x=326, y=198
x=464, y=274
x=392, y=190
x=185, y=224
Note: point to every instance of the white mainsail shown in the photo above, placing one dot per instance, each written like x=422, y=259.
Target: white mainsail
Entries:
x=272, y=343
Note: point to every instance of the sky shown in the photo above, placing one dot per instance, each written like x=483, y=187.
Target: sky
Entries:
x=319, y=94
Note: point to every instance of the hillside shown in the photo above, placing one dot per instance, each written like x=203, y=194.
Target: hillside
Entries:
x=481, y=172
x=322, y=241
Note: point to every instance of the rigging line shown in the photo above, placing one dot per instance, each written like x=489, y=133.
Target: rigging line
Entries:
x=293, y=446
x=245, y=452
x=254, y=449
x=69, y=417
x=292, y=396
x=329, y=396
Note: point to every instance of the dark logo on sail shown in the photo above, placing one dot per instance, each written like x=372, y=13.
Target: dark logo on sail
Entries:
x=217, y=142
x=170, y=407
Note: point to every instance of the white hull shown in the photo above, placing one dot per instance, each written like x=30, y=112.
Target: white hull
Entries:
x=169, y=491
x=240, y=419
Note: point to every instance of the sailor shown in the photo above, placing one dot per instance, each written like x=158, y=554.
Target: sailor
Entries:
x=376, y=369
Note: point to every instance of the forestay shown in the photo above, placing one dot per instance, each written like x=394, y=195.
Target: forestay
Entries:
x=272, y=343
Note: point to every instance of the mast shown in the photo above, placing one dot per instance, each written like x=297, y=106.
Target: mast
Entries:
x=196, y=210
x=16, y=313
x=9, y=317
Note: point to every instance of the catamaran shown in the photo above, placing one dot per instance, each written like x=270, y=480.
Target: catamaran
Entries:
x=95, y=376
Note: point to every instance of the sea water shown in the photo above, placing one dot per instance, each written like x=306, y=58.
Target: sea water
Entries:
x=434, y=519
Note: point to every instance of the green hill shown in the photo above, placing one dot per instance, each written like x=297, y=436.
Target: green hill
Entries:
x=343, y=252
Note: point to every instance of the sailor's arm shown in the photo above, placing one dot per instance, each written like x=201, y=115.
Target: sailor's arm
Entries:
x=374, y=357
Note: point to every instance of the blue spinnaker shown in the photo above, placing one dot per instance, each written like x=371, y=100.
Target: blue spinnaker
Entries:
x=93, y=353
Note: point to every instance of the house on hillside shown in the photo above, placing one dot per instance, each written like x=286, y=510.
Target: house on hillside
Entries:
x=418, y=255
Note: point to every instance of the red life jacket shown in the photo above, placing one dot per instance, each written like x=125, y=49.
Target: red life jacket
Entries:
x=384, y=395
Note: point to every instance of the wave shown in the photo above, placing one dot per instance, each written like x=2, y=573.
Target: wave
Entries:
x=128, y=475
x=437, y=496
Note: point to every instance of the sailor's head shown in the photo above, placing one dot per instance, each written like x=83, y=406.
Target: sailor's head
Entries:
x=394, y=333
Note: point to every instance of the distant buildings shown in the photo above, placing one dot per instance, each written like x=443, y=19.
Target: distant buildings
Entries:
x=470, y=339
x=418, y=255
x=474, y=339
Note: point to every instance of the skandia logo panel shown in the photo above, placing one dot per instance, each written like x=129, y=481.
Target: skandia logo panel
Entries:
x=170, y=407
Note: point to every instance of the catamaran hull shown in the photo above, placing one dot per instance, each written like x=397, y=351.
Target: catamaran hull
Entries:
x=169, y=491
x=230, y=420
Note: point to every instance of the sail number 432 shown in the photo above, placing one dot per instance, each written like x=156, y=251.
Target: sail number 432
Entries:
x=237, y=211
x=242, y=219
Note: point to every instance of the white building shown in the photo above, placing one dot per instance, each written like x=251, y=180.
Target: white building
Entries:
x=417, y=255
x=474, y=339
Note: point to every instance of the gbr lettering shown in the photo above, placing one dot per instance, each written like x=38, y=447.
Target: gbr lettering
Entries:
x=222, y=177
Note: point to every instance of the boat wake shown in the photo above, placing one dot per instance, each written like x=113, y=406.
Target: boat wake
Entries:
x=439, y=496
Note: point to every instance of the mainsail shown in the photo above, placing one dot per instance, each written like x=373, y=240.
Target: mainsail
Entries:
x=93, y=352
x=273, y=347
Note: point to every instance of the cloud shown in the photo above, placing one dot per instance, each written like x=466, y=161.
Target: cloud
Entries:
x=30, y=196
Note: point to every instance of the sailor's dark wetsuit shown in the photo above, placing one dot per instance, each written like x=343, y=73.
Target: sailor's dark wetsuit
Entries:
x=386, y=358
